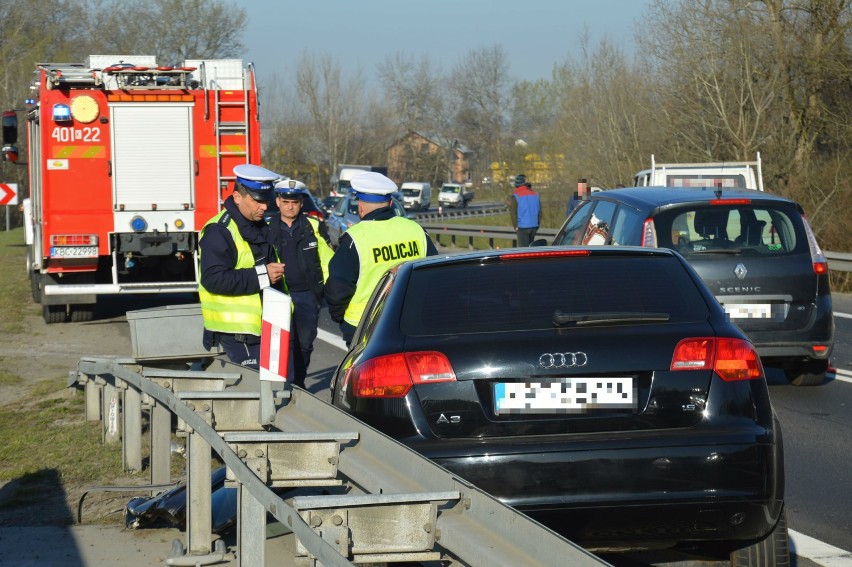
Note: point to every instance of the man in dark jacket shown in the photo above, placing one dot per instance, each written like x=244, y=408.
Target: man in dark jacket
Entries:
x=302, y=244
x=380, y=241
x=237, y=263
x=525, y=210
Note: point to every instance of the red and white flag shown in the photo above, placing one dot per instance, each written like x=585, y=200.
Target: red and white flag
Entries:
x=275, y=335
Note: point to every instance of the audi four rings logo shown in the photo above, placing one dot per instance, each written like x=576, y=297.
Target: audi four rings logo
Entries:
x=563, y=359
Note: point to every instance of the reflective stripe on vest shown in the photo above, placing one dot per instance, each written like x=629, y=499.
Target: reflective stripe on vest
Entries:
x=377, y=254
x=232, y=313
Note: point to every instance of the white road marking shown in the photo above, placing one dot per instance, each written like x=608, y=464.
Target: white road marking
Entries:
x=844, y=315
x=801, y=545
x=843, y=375
x=817, y=551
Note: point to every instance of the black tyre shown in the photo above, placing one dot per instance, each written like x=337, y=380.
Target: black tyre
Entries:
x=82, y=313
x=772, y=551
x=53, y=313
x=806, y=372
x=35, y=286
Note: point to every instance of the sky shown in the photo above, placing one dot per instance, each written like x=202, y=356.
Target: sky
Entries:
x=535, y=34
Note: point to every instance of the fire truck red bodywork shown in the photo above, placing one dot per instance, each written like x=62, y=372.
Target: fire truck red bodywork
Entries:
x=127, y=162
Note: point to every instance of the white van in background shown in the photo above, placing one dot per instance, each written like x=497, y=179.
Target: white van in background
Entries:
x=727, y=175
x=416, y=195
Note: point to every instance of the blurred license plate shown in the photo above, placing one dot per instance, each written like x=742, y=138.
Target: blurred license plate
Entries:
x=74, y=251
x=748, y=310
x=564, y=395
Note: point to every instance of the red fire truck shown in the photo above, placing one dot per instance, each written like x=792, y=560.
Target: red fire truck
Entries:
x=127, y=161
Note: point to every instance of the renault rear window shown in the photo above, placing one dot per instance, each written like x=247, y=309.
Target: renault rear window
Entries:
x=747, y=229
x=525, y=294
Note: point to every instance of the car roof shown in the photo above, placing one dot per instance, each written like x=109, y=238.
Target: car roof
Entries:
x=651, y=197
x=477, y=256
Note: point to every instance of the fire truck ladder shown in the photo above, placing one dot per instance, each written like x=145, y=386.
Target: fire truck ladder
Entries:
x=231, y=127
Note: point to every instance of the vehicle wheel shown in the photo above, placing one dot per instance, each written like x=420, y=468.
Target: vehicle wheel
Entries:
x=772, y=551
x=83, y=312
x=806, y=372
x=53, y=313
x=35, y=286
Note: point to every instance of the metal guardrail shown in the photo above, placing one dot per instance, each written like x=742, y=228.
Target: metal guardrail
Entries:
x=464, y=235
x=383, y=485
x=839, y=261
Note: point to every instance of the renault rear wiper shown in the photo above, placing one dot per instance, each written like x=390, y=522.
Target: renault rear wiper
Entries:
x=561, y=319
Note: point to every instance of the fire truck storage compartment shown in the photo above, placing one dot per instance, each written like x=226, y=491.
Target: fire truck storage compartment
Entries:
x=153, y=177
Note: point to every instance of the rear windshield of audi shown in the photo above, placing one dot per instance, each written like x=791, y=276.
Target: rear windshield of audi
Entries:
x=749, y=229
x=546, y=293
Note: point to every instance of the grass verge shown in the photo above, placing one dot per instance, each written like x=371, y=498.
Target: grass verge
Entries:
x=38, y=430
x=13, y=280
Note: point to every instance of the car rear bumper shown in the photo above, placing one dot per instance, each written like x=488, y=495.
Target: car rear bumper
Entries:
x=818, y=330
x=648, y=497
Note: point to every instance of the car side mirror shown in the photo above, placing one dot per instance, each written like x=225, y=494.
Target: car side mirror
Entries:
x=338, y=214
x=539, y=242
x=10, y=128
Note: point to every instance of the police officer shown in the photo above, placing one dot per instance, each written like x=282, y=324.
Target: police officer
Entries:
x=380, y=241
x=525, y=210
x=237, y=262
x=302, y=244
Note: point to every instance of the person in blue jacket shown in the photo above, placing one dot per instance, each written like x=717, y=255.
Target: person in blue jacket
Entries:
x=525, y=210
x=237, y=263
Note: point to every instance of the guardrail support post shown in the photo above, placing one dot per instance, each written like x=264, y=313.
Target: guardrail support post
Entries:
x=111, y=408
x=93, y=399
x=161, y=429
x=199, y=507
x=132, y=438
x=251, y=533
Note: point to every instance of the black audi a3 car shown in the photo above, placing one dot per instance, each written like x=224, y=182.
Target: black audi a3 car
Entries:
x=600, y=390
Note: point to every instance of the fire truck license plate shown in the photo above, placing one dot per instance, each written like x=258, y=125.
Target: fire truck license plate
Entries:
x=564, y=395
x=74, y=251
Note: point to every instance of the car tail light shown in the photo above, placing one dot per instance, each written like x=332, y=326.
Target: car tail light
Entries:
x=74, y=240
x=731, y=359
x=649, y=234
x=817, y=257
x=392, y=376
x=820, y=350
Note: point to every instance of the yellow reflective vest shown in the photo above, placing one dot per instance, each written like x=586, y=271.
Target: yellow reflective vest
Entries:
x=377, y=253
x=324, y=251
x=232, y=313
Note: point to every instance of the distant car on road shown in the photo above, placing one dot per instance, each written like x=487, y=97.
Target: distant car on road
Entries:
x=455, y=195
x=754, y=250
x=329, y=203
x=602, y=391
x=345, y=214
x=416, y=195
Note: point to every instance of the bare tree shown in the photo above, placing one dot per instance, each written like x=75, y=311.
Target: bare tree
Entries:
x=712, y=77
x=416, y=89
x=333, y=103
x=479, y=85
x=606, y=120
x=171, y=30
